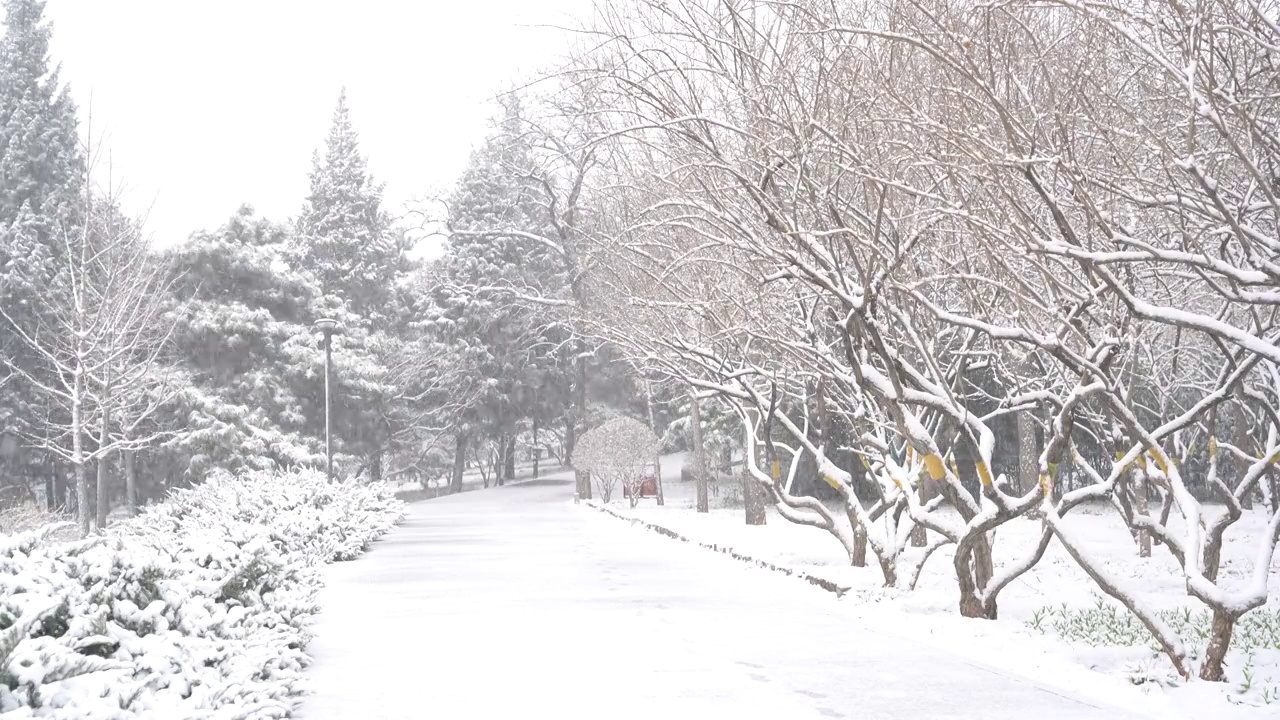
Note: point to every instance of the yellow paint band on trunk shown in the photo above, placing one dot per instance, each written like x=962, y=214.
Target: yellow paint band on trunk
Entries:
x=984, y=473
x=933, y=463
x=1161, y=461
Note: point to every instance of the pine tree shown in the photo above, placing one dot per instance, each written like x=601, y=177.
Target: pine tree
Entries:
x=252, y=363
x=346, y=241
x=42, y=165
x=242, y=324
x=42, y=170
x=344, y=237
x=508, y=351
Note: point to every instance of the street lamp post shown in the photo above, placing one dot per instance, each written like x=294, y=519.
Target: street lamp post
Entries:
x=328, y=326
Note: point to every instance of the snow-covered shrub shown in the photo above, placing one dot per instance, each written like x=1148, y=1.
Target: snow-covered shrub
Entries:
x=27, y=516
x=621, y=451
x=197, y=608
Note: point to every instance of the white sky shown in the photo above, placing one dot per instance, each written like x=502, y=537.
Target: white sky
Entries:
x=208, y=105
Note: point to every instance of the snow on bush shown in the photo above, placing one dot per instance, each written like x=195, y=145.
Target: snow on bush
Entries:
x=198, y=608
x=621, y=451
x=27, y=516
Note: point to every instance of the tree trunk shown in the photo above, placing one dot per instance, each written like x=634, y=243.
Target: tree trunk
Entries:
x=919, y=534
x=889, y=569
x=77, y=454
x=500, y=461
x=59, y=499
x=699, y=456
x=1028, y=454
x=510, y=459
x=1219, y=643
x=653, y=427
x=969, y=562
x=1242, y=442
x=50, y=492
x=859, y=556
x=103, y=462
x=1212, y=559
x=130, y=482
x=753, y=500
x=459, y=464
x=971, y=606
x=657, y=479
x=1140, y=507
x=375, y=465
x=983, y=566
x=537, y=449
x=974, y=570
x=570, y=439
x=579, y=415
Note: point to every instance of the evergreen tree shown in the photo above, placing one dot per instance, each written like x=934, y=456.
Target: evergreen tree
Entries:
x=347, y=242
x=242, y=321
x=42, y=165
x=344, y=237
x=42, y=170
x=500, y=300
x=252, y=362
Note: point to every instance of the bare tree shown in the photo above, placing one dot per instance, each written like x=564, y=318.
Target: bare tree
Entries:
x=100, y=345
x=1056, y=218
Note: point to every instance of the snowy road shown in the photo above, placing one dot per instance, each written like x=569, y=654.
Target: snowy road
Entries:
x=515, y=603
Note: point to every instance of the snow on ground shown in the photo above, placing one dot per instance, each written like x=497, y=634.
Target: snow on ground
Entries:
x=472, y=479
x=516, y=603
x=1056, y=591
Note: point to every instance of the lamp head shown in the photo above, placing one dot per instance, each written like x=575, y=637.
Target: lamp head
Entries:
x=328, y=326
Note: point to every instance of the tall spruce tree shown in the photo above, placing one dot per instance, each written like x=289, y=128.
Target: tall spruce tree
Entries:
x=42, y=164
x=42, y=170
x=346, y=241
x=344, y=237
x=508, y=350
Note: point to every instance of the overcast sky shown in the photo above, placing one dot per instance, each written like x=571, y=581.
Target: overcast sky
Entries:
x=208, y=105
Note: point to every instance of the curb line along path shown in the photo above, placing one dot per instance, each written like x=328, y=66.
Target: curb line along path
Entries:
x=512, y=602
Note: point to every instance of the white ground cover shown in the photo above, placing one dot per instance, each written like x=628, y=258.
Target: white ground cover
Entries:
x=515, y=603
x=198, y=608
x=1054, y=624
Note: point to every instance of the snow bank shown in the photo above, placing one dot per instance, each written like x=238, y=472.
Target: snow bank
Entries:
x=197, y=608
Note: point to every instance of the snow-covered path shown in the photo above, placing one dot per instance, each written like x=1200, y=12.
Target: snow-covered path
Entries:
x=515, y=603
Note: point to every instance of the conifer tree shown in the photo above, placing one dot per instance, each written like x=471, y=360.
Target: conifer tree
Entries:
x=41, y=161
x=344, y=237
x=499, y=303
x=42, y=171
